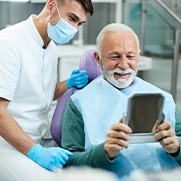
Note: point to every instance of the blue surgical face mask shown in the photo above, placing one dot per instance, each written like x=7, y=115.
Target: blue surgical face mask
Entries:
x=62, y=32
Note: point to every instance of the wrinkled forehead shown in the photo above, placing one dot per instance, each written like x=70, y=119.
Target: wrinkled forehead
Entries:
x=120, y=41
x=120, y=36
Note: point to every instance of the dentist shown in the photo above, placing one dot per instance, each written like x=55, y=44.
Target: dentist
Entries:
x=28, y=85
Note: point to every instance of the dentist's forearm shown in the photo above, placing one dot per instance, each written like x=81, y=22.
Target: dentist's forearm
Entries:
x=12, y=132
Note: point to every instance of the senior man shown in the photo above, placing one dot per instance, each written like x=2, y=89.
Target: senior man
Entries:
x=93, y=129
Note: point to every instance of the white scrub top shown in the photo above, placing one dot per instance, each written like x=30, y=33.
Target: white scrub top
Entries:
x=27, y=76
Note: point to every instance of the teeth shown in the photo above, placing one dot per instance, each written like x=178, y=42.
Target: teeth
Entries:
x=121, y=74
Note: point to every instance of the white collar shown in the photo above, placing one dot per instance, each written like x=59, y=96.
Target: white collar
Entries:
x=34, y=32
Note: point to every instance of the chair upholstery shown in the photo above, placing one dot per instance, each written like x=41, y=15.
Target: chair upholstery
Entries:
x=56, y=125
x=87, y=62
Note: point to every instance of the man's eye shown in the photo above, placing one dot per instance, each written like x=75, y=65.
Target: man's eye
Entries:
x=114, y=58
x=130, y=57
x=80, y=24
x=71, y=18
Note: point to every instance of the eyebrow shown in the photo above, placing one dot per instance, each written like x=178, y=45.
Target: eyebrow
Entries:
x=120, y=54
x=131, y=53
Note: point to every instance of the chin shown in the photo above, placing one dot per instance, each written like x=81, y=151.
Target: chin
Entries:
x=122, y=83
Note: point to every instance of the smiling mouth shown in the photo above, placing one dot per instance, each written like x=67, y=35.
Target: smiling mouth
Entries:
x=121, y=75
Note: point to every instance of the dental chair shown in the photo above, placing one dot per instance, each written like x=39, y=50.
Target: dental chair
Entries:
x=87, y=62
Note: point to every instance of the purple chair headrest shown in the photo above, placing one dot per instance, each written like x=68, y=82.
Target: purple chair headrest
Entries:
x=87, y=63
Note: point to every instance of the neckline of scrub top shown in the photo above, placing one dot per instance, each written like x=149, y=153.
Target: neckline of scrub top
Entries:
x=34, y=32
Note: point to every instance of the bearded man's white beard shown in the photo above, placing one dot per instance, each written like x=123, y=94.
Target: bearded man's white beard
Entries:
x=119, y=83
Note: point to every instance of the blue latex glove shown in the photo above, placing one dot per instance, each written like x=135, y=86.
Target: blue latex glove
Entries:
x=50, y=158
x=78, y=79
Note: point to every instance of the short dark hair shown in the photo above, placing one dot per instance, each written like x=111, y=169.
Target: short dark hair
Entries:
x=87, y=4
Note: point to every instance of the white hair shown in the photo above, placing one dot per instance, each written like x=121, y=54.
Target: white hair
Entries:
x=114, y=27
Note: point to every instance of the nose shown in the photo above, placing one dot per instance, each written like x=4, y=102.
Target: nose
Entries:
x=123, y=63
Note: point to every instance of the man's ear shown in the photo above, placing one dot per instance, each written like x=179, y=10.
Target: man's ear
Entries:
x=49, y=5
x=97, y=59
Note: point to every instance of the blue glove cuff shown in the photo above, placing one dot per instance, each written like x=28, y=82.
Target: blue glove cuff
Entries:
x=68, y=84
x=33, y=152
